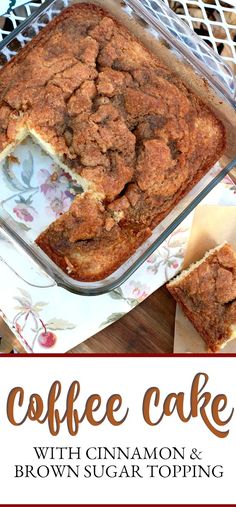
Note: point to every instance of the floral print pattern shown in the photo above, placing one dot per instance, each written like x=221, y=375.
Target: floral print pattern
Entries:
x=230, y=184
x=140, y=291
x=28, y=318
x=161, y=266
x=53, y=320
x=59, y=205
x=24, y=211
x=169, y=255
x=58, y=190
x=31, y=186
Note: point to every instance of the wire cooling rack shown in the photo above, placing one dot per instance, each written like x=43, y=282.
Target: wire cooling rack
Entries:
x=10, y=21
x=213, y=20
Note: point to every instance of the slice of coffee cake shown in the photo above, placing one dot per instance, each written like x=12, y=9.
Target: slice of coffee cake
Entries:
x=206, y=292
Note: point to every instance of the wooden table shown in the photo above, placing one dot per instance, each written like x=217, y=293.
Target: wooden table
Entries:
x=149, y=328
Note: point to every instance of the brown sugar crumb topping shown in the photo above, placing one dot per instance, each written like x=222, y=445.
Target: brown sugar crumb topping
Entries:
x=117, y=117
x=208, y=295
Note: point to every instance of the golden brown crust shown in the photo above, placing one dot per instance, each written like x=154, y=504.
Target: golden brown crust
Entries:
x=100, y=258
x=103, y=245
x=207, y=296
x=118, y=118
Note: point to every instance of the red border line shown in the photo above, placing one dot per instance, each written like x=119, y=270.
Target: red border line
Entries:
x=120, y=505
x=174, y=356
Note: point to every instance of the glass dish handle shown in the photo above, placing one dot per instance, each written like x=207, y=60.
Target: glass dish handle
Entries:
x=180, y=35
x=19, y=262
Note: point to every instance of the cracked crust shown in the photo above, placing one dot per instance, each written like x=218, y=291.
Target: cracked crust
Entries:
x=207, y=294
x=127, y=128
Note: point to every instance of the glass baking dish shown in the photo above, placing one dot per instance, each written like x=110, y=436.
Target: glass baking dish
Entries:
x=198, y=66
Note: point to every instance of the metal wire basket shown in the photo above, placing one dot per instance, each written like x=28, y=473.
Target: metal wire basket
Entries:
x=213, y=20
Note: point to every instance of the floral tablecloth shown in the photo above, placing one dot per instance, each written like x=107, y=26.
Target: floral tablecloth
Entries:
x=51, y=319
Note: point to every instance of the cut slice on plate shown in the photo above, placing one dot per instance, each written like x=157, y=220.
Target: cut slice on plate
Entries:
x=206, y=292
